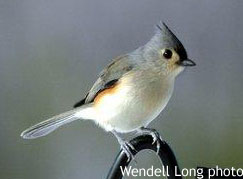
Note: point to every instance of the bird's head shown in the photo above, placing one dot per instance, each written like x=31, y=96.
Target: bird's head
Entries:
x=167, y=51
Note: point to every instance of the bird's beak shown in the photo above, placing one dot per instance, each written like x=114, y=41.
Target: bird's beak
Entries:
x=186, y=62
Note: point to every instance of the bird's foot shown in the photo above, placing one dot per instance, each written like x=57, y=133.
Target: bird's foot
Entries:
x=127, y=149
x=155, y=135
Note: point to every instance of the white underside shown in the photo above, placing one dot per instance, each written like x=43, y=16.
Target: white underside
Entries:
x=133, y=105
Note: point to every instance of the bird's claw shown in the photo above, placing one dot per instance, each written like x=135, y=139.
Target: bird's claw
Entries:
x=155, y=135
x=156, y=138
x=127, y=147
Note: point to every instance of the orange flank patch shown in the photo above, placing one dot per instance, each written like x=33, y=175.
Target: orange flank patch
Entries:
x=109, y=91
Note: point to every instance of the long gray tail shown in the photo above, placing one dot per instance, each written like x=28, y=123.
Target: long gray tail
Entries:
x=48, y=126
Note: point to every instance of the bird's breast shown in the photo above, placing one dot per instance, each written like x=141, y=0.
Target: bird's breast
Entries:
x=132, y=102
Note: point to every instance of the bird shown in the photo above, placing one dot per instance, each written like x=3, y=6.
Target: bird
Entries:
x=130, y=92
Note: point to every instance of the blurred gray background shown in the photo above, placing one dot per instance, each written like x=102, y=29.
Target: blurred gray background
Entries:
x=52, y=51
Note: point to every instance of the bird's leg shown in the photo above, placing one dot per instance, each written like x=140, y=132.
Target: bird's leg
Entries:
x=155, y=135
x=125, y=146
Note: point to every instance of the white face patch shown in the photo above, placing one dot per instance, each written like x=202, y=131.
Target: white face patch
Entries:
x=178, y=70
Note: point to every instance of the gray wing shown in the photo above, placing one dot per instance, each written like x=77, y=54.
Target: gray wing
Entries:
x=108, y=77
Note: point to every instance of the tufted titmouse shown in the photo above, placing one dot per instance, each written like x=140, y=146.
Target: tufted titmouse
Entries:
x=130, y=92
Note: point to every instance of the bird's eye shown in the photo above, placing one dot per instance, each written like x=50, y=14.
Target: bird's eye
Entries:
x=167, y=53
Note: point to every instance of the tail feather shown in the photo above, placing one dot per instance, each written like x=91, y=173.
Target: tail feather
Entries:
x=48, y=126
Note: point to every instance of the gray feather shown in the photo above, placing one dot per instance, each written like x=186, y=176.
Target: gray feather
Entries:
x=47, y=126
x=114, y=71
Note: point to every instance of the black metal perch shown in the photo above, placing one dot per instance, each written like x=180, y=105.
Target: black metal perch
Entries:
x=140, y=143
